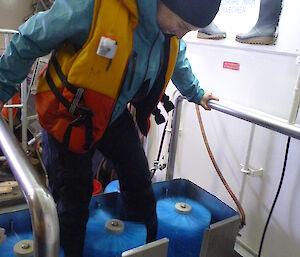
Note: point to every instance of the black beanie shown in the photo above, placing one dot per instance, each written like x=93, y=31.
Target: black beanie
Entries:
x=198, y=13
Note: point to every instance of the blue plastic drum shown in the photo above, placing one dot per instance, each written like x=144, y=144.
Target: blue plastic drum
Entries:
x=108, y=237
x=183, y=221
x=112, y=187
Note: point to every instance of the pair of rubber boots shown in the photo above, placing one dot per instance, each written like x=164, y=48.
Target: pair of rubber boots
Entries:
x=264, y=32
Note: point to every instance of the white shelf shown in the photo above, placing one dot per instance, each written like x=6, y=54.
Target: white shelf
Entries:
x=230, y=43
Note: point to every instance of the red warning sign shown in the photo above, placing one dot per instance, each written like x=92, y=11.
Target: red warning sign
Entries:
x=231, y=65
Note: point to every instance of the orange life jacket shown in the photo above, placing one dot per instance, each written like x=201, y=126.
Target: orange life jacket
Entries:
x=77, y=94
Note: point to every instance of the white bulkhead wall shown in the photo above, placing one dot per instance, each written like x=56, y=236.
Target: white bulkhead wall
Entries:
x=265, y=81
x=12, y=14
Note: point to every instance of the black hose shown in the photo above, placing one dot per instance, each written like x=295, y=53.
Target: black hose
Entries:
x=162, y=141
x=276, y=197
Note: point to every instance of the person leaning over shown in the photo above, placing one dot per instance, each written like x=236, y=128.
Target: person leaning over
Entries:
x=105, y=54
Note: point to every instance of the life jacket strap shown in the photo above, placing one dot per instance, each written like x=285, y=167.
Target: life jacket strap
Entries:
x=61, y=75
x=83, y=115
x=81, y=119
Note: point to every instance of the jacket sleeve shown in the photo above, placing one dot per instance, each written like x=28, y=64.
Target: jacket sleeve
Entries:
x=184, y=79
x=39, y=36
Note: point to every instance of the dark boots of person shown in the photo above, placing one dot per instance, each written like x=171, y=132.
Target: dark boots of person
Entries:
x=211, y=32
x=265, y=30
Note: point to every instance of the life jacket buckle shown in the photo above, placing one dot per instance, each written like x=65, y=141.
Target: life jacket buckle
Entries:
x=76, y=99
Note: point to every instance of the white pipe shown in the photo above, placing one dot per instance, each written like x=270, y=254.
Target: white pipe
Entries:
x=10, y=116
x=165, y=148
x=10, y=111
x=296, y=101
x=24, y=115
x=246, y=165
x=169, y=128
x=8, y=31
x=43, y=4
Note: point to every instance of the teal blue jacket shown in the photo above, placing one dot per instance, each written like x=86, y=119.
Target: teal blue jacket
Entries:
x=69, y=19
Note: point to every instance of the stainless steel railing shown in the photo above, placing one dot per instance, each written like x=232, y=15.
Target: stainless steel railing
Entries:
x=42, y=208
x=23, y=105
x=259, y=118
x=6, y=34
x=8, y=31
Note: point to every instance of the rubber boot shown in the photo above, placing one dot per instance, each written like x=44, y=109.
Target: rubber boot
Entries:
x=265, y=30
x=211, y=32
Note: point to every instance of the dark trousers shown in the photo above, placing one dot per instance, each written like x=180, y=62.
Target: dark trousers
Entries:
x=70, y=181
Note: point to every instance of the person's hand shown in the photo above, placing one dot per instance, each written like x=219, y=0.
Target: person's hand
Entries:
x=207, y=96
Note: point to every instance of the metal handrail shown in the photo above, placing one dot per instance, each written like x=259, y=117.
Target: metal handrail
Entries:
x=23, y=104
x=259, y=118
x=174, y=137
x=8, y=31
x=42, y=208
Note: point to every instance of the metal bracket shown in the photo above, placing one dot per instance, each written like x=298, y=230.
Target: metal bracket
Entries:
x=251, y=171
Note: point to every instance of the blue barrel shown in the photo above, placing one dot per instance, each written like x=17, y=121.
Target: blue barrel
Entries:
x=183, y=221
x=112, y=187
x=108, y=237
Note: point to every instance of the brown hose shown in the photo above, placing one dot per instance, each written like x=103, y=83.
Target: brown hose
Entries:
x=238, y=204
x=99, y=168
